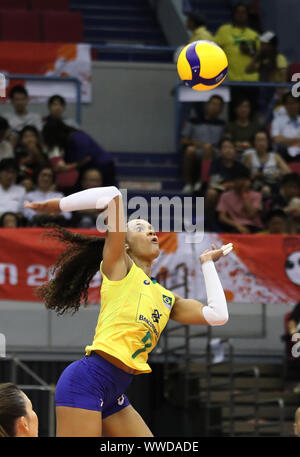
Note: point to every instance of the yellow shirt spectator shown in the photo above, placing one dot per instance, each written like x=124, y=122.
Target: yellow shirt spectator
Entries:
x=233, y=39
x=201, y=33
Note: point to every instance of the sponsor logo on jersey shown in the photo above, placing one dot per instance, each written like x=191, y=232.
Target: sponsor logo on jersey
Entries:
x=144, y=319
x=146, y=282
x=156, y=316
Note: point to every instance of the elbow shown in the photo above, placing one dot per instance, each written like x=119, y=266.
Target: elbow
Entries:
x=221, y=319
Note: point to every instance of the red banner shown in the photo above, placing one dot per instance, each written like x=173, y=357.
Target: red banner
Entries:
x=49, y=59
x=262, y=268
x=26, y=260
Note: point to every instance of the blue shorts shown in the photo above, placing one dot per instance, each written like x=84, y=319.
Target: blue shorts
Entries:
x=93, y=383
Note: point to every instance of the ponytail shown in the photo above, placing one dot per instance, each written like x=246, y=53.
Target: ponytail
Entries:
x=12, y=406
x=74, y=270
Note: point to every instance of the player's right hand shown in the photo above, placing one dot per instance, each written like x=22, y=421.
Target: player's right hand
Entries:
x=48, y=206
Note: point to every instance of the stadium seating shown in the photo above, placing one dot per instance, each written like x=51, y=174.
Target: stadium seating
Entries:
x=55, y=5
x=62, y=27
x=18, y=25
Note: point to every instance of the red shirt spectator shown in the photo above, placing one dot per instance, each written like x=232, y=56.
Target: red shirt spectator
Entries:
x=239, y=209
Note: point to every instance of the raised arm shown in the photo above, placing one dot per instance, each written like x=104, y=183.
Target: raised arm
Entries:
x=115, y=262
x=190, y=311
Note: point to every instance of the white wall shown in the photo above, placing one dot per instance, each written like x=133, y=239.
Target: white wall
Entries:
x=132, y=108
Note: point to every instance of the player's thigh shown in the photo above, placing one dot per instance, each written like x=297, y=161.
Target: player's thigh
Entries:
x=78, y=422
x=126, y=422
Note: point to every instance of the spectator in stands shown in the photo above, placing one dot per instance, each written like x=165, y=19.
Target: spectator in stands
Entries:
x=285, y=129
x=276, y=223
x=240, y=43
x=271, y=66
x=11, y=195
x=26, y=182
x=45, y=180
x=21, y=117
x=6, y=148
x=242, y=130
x=17, y=417
x=29, y=151
x=199, y=138
x=288, y=200
x=297, y=422
x=57, y=106
x=196, y=23
x=266, y=166
x=223, y=169
x=10, y=220
x=239, y=208
x=75, y=149
x=90, y=178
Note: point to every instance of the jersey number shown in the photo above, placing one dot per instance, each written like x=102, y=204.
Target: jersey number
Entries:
x=146, y=345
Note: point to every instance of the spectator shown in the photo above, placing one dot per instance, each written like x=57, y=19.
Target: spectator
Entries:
x=240, y=43
x=45, y=181
x=26, y=182
x=57, y=106
x=276, y=223
x=196, y=23
x=74, y=149
x=271, y=66
x=266, y=167
x=90, y=178
x=288, y=200
x=10, y=220
x=297, y=422
x=285, y=129
x=11, y=195
x=17, y=417
x=29, y=151
x=239, y=208
x=21, y=117
x=6, y=149
x=242, y=130
x=199, y=139
x=223, y=169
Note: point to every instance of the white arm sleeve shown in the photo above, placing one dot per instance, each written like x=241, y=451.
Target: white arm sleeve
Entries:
x=95, y=198
x=215, y=312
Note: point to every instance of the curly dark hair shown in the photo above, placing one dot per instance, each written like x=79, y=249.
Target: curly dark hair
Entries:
x=74, y=270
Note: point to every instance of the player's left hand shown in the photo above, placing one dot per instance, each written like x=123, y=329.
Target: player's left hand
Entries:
x=215, y=254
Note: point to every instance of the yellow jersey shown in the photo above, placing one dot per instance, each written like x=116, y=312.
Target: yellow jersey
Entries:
x=229, y=38
x=134, y=311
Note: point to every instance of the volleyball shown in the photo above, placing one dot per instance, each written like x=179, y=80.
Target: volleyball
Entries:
x=202, y=65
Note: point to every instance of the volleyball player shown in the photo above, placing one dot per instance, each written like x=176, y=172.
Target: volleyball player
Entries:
x=17, y=418
x=90, y=399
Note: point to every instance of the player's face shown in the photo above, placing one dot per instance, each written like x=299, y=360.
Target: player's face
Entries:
x=141, y=239
x=31, y=420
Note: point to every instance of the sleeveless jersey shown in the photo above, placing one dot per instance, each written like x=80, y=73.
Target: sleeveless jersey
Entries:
x=134, y=311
